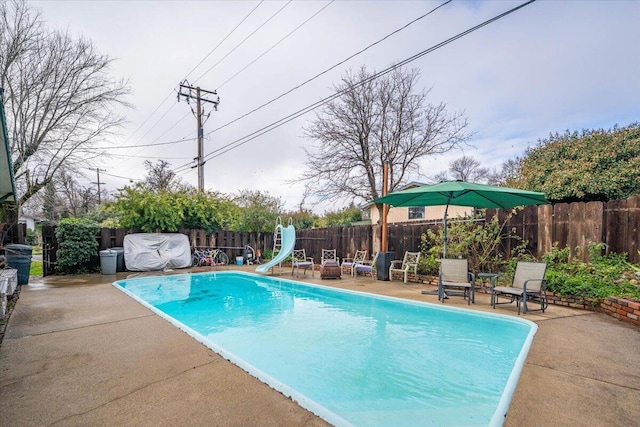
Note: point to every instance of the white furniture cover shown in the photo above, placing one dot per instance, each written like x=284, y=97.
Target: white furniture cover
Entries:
x=156, y=251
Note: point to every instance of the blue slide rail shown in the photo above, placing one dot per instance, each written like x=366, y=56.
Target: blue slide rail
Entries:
x=288, y=243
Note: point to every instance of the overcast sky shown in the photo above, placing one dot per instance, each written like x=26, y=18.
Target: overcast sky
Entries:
x=551, y=66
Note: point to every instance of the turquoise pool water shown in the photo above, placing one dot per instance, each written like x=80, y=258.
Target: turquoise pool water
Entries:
x=352, y=358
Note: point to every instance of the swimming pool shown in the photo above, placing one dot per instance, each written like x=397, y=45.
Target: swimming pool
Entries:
x=352, y=358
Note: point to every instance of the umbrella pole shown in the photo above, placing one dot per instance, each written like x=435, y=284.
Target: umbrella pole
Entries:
x=446, y=209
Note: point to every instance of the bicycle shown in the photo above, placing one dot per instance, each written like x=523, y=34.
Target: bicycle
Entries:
x=201, y=258
x=219, y=257
x=209, y=257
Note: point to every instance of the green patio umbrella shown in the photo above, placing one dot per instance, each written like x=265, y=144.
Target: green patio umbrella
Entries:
x=462, y=193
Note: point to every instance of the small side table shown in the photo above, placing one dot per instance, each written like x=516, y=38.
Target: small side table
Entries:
x=492, y=282
x=330, y=270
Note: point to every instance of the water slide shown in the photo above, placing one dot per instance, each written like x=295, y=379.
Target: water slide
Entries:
x=288, y=243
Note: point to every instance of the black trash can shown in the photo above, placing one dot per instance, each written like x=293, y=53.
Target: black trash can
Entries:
x=19, y=257
x=383, y=263
x=120, y=267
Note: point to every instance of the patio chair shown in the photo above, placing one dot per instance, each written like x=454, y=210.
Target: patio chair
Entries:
x=528, y=285
x=329, y=255
x=408, y=263
x=366, y=267
x=300, y=260
x=456, y=279
x=349, y=263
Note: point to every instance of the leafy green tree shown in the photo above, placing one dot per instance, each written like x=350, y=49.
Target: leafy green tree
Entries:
x=304, y=219
x=210, y=211
x=171, y=211
x=160, y=177
x=258, y=210
x=344, y=216
x=593, y=165
x=104, y=216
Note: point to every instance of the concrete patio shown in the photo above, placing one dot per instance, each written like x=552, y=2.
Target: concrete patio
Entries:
x=79, y=352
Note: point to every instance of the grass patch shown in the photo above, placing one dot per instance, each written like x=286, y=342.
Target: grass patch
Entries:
x=36, y=268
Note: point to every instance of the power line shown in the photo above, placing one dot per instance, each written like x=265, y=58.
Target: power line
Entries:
x=151, y=144
x=121, y=177
x=171, y=92
x=222, y=41
x=276, y=44
x=244, y=40
x=274, y=125
x=210, y=52
x=146, y=157
x=330, y=68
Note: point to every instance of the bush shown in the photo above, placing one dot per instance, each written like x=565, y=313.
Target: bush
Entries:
x=602, y=277
x=477, y=241
x=77, y=244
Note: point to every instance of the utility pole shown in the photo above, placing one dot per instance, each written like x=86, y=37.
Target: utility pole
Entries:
x=189, y=93
x=99, y=183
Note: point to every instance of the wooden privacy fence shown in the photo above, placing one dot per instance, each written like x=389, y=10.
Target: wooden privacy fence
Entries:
x=577, y=225
x=573, y=225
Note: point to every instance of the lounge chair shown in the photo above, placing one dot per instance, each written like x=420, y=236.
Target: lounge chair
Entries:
x=456, y=279
x=299, y=260
x=329, y=255
x=349, y=263
x=408, y=263
x=366, y=267
x=528, y=285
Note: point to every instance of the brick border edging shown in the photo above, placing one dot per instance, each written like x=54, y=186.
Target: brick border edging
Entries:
x=622, y=309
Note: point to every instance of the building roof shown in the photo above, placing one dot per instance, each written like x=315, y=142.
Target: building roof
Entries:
x=7, y=183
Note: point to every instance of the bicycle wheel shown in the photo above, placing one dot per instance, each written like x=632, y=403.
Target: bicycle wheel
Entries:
x=195, y=260
x=209, y=258
x=222, y=258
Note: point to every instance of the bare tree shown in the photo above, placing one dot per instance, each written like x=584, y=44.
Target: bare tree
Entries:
x=78, y=199
x=62, y=197
x=376, y=121
x=468, y=169
x=508, y=173
x=50, y=202
x=60, y=99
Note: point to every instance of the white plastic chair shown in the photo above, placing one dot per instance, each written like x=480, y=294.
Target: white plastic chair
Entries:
x=408, y=263
x=300, y=260
x=349, y=263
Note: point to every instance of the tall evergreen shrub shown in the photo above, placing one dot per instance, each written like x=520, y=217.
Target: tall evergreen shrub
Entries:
x=77, y=244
